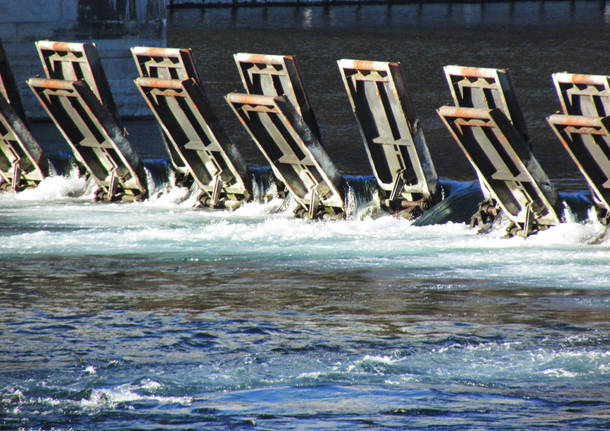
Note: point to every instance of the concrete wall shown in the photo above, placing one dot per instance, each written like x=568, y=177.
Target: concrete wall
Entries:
x=114, y=25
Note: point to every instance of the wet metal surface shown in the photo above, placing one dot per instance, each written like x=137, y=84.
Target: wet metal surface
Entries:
x=392, y=135
x=182, y=110
x=292, y=150
x=503, y=163
x=96, y=140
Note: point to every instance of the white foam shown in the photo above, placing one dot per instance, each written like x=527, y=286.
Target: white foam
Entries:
x=124, y=394
x=52, y=188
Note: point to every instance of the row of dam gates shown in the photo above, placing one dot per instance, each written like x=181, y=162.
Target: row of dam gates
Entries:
x=485, y=121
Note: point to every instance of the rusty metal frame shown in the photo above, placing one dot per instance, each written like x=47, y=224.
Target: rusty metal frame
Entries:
x=504, y=164
x=276, y=75
x=95, y=138
x=77, y=61
x=22, y=161
x=165, y=63
x=393, y=139
x=587, y=95
x=486, y=88
x=293, y=151
x=196, y=135
x=587, y=140
x=8, y=85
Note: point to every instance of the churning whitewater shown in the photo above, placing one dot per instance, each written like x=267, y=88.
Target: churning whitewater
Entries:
x=131, y=315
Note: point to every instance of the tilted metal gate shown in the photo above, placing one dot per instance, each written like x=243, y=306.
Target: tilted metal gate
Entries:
x=77, y=61
x=587, y=95
x=22, y=161
x=490, y=128
x=167, y=63
x=95, y=138
x=197, y=137
x=486, y=88
x=276, y=75
x=393, y=138
x=77, y=97
x=505, y=164
x=288, y=130
x=583, y=130
x=587, y=140
x=293, y=151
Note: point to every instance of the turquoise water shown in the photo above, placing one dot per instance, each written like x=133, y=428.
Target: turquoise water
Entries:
x=155, y=315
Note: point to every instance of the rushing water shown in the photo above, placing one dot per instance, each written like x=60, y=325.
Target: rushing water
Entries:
x=156, y=315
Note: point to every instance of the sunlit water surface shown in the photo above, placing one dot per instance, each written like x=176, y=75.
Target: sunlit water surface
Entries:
x=155, y=315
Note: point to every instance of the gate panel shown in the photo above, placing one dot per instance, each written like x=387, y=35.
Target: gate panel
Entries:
x=183, y=111
x=587, y=140
x=74, y=62
x=292, y=150
x=165, y=63
x=587, y=95
x=486, y=88
x=393, y=139
x=503, y=163
x=276, y=75
x=95, y=138
x=22, y=162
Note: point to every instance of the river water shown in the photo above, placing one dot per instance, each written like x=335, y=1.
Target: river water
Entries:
x=157, y=315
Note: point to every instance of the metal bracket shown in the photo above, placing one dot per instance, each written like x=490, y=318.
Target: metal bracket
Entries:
x=217, y=188
x=398, y=184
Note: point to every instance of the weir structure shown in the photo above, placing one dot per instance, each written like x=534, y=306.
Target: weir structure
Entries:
x=488, y=125
x=77, y=97
x=393, y=138
x=196, y=140
x=22, y=161
x=584, y=131
x=277, y=114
